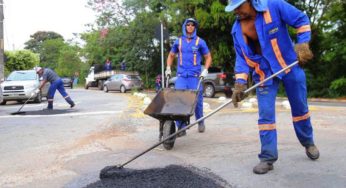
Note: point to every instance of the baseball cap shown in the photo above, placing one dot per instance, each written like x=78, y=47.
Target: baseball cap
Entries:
x=37, y=69
x=233, y=4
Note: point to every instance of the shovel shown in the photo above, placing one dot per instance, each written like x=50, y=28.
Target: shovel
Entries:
x=21, y=112
x=119, y=171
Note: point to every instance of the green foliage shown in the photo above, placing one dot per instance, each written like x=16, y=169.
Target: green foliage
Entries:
x=37, y=39
x=68, y=62
x=50, y=52
x=20, y=60
x=338, y=87
x=131, y=25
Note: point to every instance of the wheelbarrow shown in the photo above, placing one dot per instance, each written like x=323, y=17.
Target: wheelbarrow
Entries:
x=171, y=105
x=119, y=169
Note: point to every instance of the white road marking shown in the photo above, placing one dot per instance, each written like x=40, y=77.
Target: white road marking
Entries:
x=65, y=114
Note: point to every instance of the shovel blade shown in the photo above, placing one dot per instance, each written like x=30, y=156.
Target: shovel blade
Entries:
x=16, y=113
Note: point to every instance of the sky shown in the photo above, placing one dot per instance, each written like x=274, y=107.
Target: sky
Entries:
x=23, y=18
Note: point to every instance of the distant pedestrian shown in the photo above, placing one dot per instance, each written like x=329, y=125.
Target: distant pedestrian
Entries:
x=123, y=66
x=108, y=65
x=158, y=82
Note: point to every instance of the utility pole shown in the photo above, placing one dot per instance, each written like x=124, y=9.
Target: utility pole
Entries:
x=1, y=40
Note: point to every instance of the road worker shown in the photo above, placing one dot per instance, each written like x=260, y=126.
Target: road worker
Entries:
x=48, y=75
x=190, y=49
x=263, y=46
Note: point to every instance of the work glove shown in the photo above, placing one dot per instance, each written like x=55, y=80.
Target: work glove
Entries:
x=35, y=92
x=238, y=93
x=204, y=73
x=168, y=71
x=303, y=52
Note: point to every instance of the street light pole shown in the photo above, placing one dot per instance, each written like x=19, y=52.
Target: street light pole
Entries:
x=162, y=60
x=1, y=40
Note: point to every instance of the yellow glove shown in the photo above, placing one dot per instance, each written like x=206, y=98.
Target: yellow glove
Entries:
x=238, y=93
x=303, y=52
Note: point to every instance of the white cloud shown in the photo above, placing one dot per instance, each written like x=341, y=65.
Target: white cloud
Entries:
x=25, y=17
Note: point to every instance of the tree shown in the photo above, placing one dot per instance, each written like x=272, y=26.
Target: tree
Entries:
x=20, y=60
x=50, y=52
x=68, y=61
x=37, y=39
x=130, y=36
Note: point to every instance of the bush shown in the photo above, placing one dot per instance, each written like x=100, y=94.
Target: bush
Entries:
x=338, y=87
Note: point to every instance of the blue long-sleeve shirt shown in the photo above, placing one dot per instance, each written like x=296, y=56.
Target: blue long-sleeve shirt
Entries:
x=276, y=45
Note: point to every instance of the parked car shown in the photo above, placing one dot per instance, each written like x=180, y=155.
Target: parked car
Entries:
x=216, y=81
x=19, y=86
x=123, y=83
x=68, y=82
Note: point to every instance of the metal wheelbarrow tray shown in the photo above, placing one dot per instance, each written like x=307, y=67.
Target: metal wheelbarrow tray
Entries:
x=171, y=105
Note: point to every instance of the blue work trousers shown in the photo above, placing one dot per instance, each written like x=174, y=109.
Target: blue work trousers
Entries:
x=57, y=85
x=295, y=86
x=190, y=83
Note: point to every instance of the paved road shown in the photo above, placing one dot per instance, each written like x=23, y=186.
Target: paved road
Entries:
x=47, y=152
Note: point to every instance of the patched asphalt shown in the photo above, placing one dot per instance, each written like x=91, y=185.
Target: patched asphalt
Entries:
x=168, y=177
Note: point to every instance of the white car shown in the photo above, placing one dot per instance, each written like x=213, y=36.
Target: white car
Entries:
x=19, y=86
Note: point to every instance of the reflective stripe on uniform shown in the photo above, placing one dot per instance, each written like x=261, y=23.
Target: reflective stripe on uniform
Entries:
x=300, y=118
x=274, y=43
x=303, y=29
x=266, y=127
x=267, y=17
x=278, y=54
x=241, y=76
x=195, y=54
x=180, y=54
x=256, y=66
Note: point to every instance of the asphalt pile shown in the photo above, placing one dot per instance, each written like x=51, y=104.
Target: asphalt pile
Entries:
x=169, y=177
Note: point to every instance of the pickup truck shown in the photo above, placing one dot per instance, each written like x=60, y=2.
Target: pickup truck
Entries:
x=216, y=81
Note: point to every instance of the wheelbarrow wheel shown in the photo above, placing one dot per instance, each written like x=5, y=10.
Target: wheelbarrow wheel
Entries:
x=168, y=129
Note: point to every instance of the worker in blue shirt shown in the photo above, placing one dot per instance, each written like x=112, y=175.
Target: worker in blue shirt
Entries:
x=190, y=49
x=48, y=75
x=263, y=46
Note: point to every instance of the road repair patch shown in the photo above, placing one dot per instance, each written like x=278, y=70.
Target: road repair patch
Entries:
x=169, y=176
x=48, y=112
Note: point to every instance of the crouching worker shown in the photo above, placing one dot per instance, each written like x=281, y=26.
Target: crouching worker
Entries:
x=48, y=75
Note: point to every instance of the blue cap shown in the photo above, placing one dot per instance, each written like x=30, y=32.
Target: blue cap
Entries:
x=233, y=4
x=192, y=20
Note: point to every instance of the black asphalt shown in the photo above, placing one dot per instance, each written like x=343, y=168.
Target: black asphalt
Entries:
x=46, y=112
x=172, y=176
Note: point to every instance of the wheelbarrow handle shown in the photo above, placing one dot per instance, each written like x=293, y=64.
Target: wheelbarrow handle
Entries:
x=167, y=81
x=199, y=84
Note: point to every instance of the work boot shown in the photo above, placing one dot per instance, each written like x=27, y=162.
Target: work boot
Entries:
x=263, y=167
x=50, y=105
x=69, y=100
x=312, y=152
x=201, y=127
x=72, y=105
